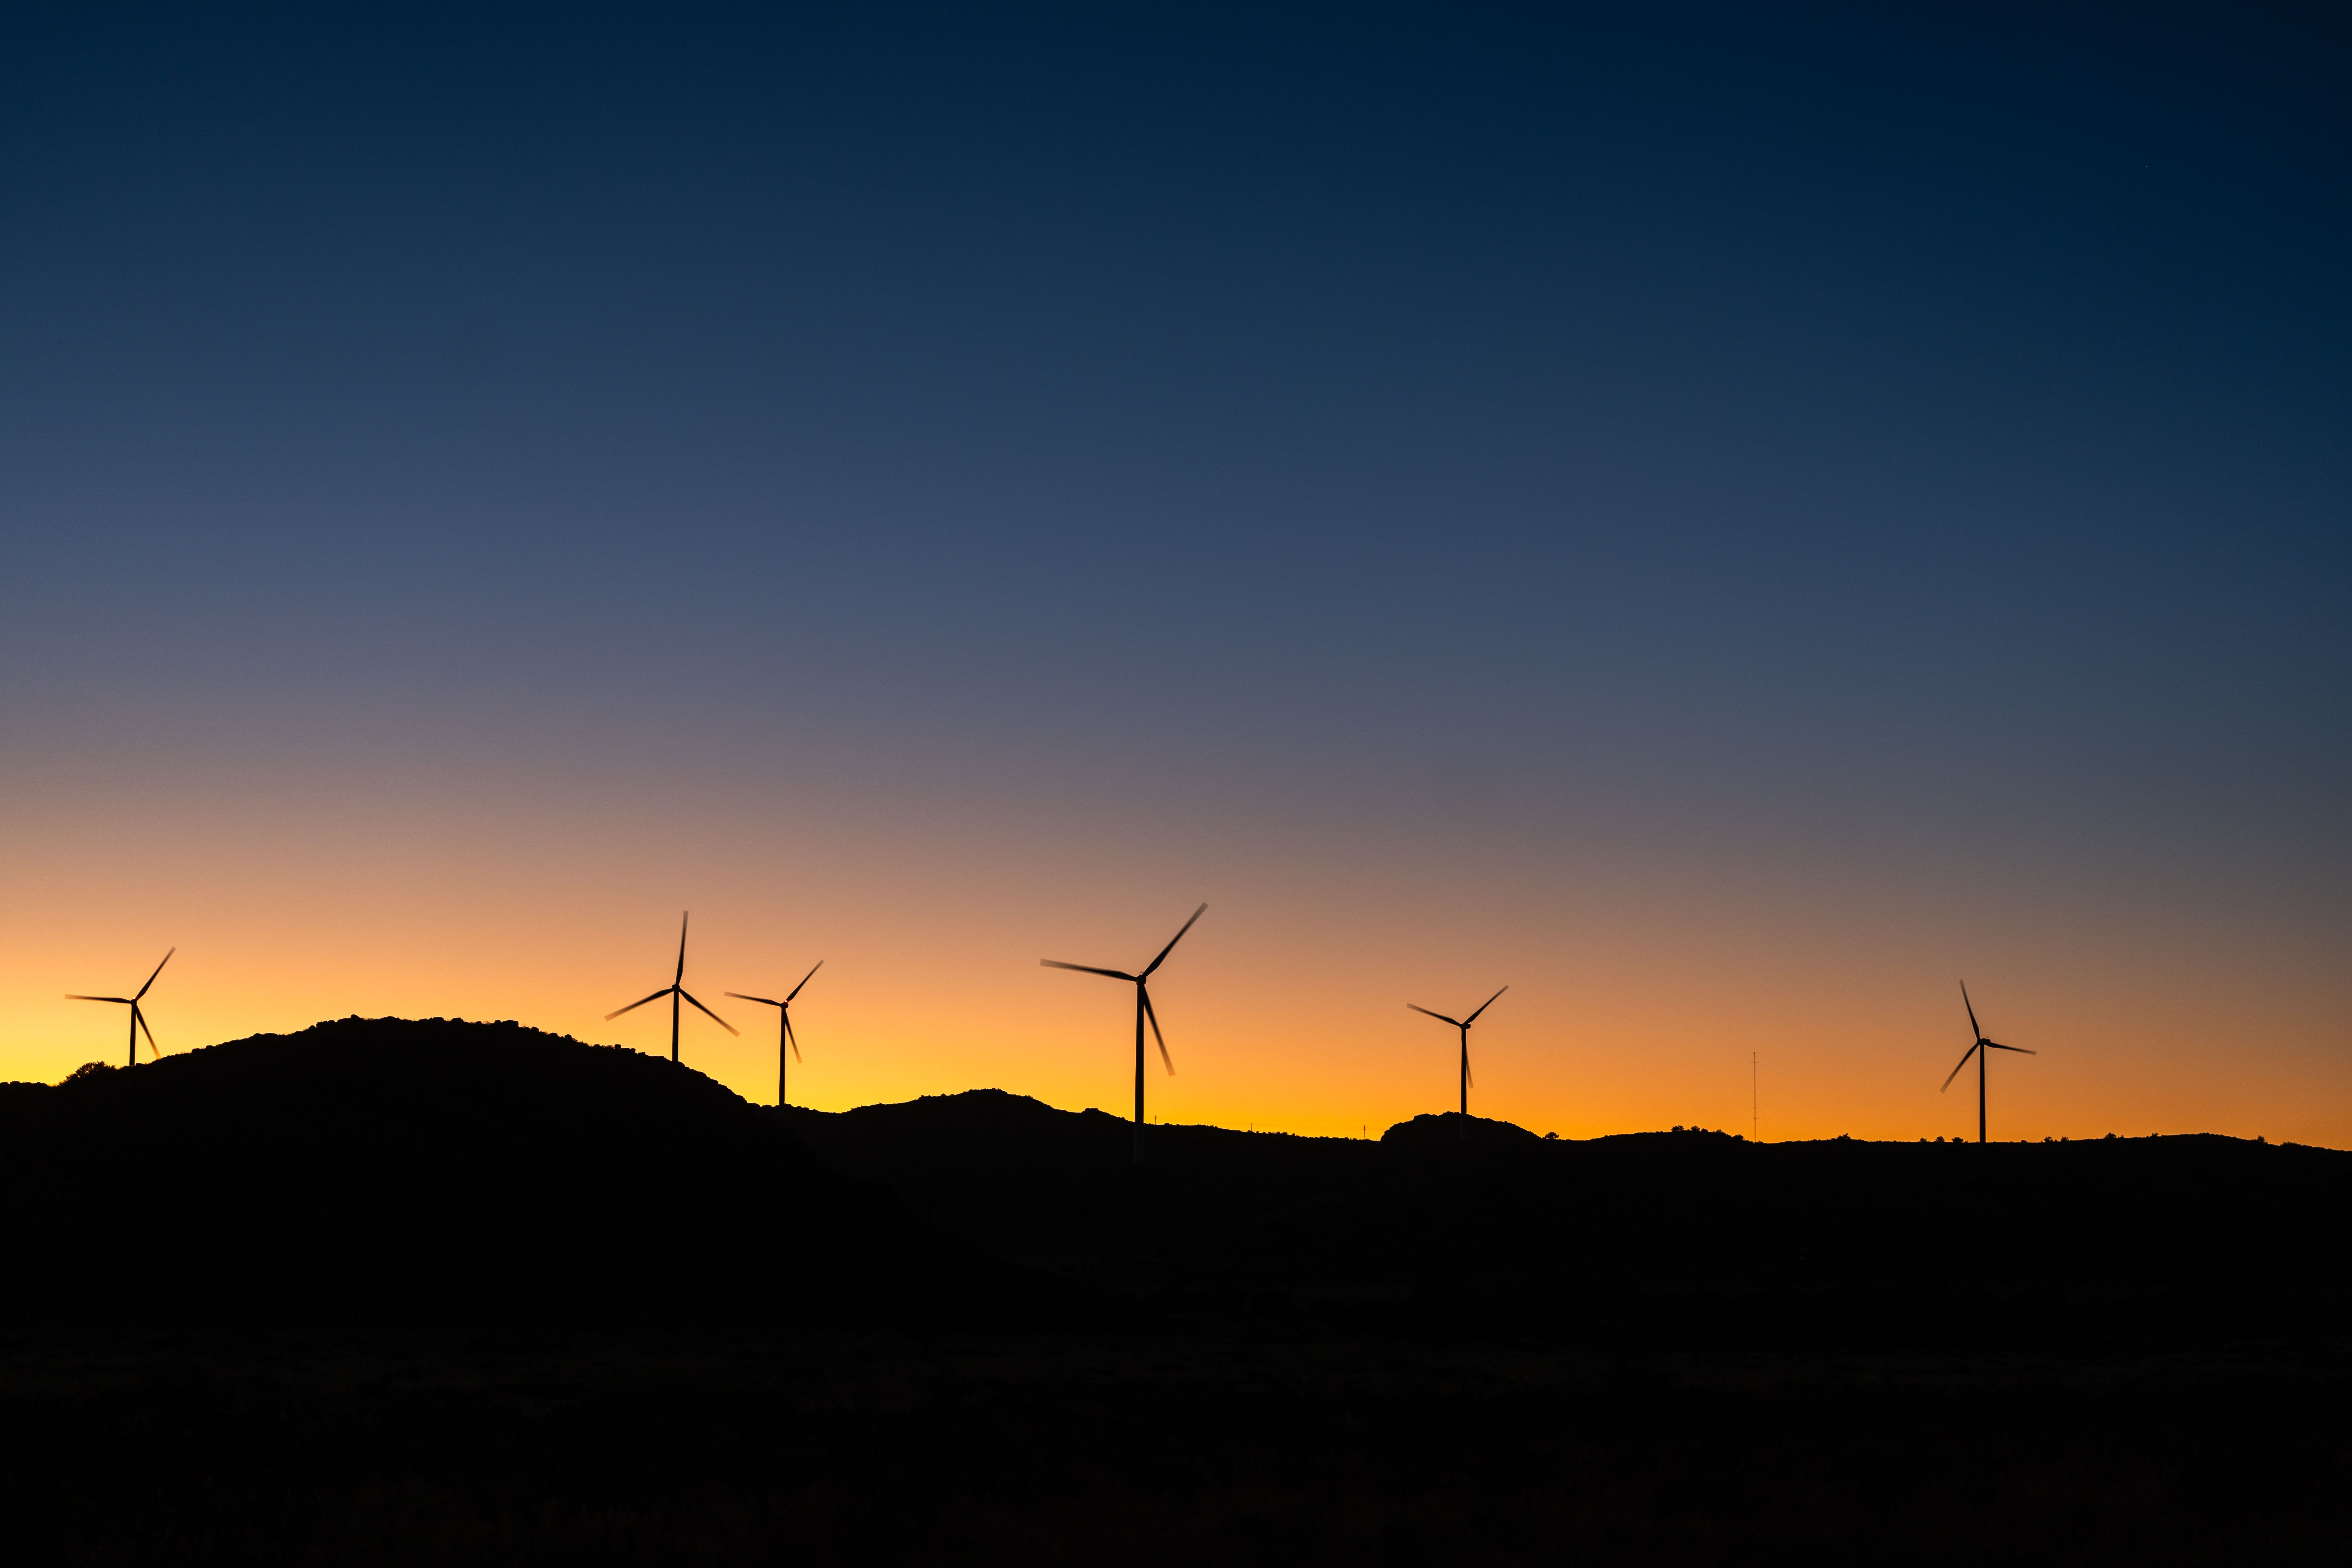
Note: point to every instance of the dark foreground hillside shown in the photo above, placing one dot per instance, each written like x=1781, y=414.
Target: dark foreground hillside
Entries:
x=455, y=1294
x=384, y=1170
x=1692, y=1237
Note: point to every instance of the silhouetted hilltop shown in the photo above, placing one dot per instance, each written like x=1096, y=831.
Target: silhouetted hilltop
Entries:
x=373, y=1167
x=1451, y=1129
x=1443, y=1206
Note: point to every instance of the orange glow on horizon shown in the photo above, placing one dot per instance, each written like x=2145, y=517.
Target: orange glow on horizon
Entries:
x=1636, y=995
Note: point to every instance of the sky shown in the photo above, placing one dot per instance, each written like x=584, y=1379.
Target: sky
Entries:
x=1728, y=524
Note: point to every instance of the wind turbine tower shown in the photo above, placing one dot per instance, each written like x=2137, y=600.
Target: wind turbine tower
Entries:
x=1142, y=1011
x=138, y=1019
x=1463, y=1024
x=784, y=1035
x=673, y=990
x=1978, y=1051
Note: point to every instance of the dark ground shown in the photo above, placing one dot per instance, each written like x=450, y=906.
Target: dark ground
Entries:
x=294, y=1301
x=1233, y=1445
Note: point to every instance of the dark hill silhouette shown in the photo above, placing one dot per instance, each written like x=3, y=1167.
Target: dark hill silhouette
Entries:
x=384, y=1167
x=1444, y=1207
x=1060, y=1190
x=1424, y=1131
x=374, y=1168
x=1444, y=1345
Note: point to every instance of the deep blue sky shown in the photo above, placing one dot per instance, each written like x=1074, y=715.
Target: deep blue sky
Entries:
x=1916, y=438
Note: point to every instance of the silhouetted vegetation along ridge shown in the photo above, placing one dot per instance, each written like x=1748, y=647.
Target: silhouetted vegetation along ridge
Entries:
x=1439, y=1203
x=371, y=1166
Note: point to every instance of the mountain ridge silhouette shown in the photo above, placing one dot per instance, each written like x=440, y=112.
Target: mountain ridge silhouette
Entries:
x=391, y=1167
x=1441, y=1205
x=437, y=1167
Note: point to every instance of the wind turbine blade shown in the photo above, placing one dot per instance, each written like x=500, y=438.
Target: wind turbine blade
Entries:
x=150, y=979
x=1439, y=1016
x=124, y=1000
x=763, y=1000
x=1481, y=1007
x=634, y=1005
x=1089, y=969
x=708, y=1014
x=805, y=979
x=1956, y=1071
x=792, y=1037
x=2020, y=1050
x=1171, y=943
x=140, y=1018
x=1467, y=1076
x=1975, y=1028
x=1146, y=997
x=680, y=978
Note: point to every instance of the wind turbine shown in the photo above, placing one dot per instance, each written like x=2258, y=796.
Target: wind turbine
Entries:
x=137, y=1019
x=1978, y=1051
x=1463, y=1024
x=673, y=990
x=1142, y=1011
x=784, y=1032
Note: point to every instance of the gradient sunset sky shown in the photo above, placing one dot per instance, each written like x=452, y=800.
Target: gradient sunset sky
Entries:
x=1728, y=524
